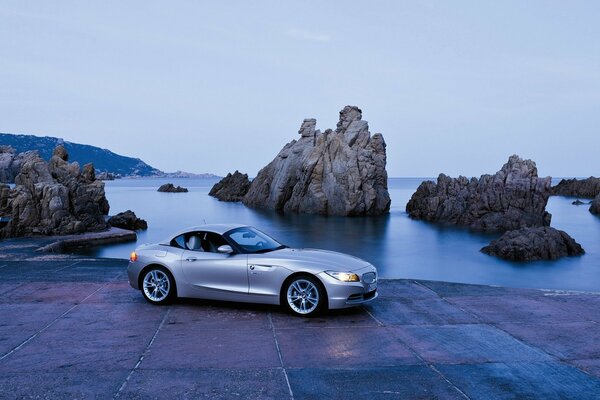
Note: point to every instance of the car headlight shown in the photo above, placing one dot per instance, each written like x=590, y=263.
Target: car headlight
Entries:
x=344, y=276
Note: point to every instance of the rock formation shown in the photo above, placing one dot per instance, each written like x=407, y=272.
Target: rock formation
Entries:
x=339, y=172
x=579, y=202
x=10, y=164
x=231, y=188
x=170, y=188
x=594, y=208
x=127, y=220
x=53, y=198
x=512, y=198
x=528, y=244
x=587, y=188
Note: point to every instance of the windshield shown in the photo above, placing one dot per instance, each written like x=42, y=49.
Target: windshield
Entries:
x=253, y=241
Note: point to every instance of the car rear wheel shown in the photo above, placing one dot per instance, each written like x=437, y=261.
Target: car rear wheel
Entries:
x=158, y=286
x=304, y=296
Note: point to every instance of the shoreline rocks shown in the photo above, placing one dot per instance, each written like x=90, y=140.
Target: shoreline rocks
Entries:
x=530, y=244
x=127, y=220
x=170, y=188
x=587, y=188
x=512, y=198
x=339, y=172
x=231, y=188
x=595, y=207
x=54, y=198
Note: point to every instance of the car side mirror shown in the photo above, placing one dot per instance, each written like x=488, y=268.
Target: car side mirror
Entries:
x=225, y=249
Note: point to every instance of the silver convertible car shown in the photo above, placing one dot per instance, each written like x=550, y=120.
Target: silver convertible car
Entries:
x=240, y=263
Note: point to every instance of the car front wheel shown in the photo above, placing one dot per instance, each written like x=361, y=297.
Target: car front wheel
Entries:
x=304, y=296
x=158, y=286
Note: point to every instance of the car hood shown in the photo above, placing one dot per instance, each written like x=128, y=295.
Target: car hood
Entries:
x=324, y=259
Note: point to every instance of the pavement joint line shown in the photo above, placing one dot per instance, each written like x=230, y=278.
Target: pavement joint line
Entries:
x=144, y=354
x=287, y=380
x=372, y=316
x=68, y=266
x=30, y=338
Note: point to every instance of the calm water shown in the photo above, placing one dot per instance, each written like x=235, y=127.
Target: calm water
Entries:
x=399, y=246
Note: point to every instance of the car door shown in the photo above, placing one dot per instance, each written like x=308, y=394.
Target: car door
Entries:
x=211, y=274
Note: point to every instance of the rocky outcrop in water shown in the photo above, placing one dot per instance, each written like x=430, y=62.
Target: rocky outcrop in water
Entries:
x=170, y=188
x=595, y=207
x=127, y=220
x=529, y=244
x=513, y=198
x=231, y=188
x=587, y=188
x=339, y=172
x=53, y=198
x=10, y=164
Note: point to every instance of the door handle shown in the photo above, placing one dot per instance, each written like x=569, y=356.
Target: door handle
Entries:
x=191, y=259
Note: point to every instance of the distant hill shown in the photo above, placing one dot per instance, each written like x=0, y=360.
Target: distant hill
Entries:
x=104, y=160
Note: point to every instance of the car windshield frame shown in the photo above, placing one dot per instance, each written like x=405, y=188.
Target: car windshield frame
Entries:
x=271, y=243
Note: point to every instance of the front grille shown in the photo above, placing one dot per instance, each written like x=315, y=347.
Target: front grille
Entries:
x=369, y=277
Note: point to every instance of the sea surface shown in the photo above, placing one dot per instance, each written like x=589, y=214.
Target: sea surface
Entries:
x=397, y=245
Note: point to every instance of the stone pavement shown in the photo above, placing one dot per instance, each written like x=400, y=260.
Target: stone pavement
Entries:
x=73, y=328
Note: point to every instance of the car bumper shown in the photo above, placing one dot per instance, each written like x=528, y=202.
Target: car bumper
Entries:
x=348, y=294
x=133, y=273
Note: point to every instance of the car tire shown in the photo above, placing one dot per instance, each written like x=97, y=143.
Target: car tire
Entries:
x=158, y=286
x=303, y=296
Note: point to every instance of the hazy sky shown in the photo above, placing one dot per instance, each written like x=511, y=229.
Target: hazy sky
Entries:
x=454, y=86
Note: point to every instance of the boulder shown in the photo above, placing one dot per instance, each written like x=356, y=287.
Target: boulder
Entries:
x=595, y=207
x=587, y=188
x=339, y=172
x=513, y=198
x=10, y=164
x=52, y=198
x=170, y=188
x=127, y=220
x=231, y=188
x=529, y=244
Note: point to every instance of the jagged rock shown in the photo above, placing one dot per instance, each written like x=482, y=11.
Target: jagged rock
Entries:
x=231, y=188
x=10, y=164
x=512, y=198
x=528, y=244
x=328, y=173
x=52, y=198
x=595, y=207
x=170, y=188
x=127, y=220
x=587, y=188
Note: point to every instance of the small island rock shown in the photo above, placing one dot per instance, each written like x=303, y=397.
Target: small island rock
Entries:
x=578, y=202
x=595, y=207
x=512, y=198
x=339, y=172
x=231, y=188
x=587, y=188
x=529, y=244
x=170, y=188
x=127, y=220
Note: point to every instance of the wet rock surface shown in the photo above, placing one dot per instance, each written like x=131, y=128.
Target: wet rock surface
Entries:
x=170, y=188
x=587, y=188
x=231, y=188
x=513, y=198
x=53, y=198
x=128, y=220
x=339, y=172
x=529, y=244
x=594, y=208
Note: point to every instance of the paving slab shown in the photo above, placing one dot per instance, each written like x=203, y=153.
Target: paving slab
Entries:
x=398, y=382
x=546, y=380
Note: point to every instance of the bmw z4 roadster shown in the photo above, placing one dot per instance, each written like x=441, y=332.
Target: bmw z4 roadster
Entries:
x=240, y=263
